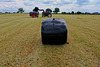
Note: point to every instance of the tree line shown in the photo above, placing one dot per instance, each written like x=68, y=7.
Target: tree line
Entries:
x=21, y=10
x=79, y=12
x=56, y=11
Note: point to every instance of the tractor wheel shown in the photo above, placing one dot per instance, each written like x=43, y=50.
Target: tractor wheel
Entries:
x=37, y=16
x=43, y=15
x=49, y=15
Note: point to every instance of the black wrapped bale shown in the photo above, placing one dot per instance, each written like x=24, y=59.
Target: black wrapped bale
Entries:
x=34, y=12
x=54, y=31
x=36, y=9
x=30, y=13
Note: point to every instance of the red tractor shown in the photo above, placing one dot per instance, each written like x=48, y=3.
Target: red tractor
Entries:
x=46, y=13
x=35, y=12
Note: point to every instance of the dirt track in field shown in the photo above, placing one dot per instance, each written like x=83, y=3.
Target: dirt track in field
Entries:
x=20, y=42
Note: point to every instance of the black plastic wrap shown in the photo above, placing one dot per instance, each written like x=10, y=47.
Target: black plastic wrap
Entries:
x=54, y=30
x=36, y=9
x=35, y=12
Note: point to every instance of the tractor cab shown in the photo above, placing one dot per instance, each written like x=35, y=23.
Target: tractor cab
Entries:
x=46, y=13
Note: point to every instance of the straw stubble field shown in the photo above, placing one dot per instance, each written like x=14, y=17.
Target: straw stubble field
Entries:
x=20, y=42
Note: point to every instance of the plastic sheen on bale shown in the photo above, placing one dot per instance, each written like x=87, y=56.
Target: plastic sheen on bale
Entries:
x=54, y=31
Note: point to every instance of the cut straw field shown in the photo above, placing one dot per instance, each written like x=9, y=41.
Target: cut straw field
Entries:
x=21, y=46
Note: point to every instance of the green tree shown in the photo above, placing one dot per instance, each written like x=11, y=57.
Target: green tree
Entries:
x=72, y=12
x=63, y=13
x=48, y=10
x=79, y=12
x=17, y=11
x=56, y=10
x=20, y=10
x=6, y=12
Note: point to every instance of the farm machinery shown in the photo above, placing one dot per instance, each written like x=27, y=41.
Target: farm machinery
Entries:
x=36, y=10
x=46, y=13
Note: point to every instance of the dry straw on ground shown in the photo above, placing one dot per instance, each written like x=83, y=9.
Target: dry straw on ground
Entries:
x=20, y=42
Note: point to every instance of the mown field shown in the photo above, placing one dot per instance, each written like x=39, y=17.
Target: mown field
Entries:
x=21, y=46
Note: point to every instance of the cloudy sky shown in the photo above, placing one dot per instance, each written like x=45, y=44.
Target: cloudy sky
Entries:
x=64, y=5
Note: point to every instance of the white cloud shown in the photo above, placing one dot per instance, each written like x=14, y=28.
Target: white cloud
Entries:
x=70, y=7
x=68, y=0
x=58, y=1
x=27, y=5
x=94, y=0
